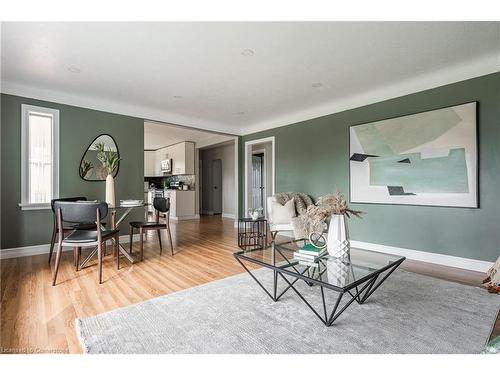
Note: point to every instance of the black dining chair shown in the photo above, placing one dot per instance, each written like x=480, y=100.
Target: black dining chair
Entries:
x=161, y=205
x=78, y=214
x=66, y=226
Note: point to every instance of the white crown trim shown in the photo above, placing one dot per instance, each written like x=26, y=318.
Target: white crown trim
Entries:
x=107, y=105
x=446, y=75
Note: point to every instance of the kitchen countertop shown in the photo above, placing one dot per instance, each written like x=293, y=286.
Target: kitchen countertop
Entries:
x=154, y=189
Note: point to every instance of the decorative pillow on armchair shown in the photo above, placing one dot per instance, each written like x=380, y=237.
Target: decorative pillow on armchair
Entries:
x=282, y=214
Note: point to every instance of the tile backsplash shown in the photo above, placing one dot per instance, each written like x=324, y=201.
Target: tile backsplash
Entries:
x=187, y=179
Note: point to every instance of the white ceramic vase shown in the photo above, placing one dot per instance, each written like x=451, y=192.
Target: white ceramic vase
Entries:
x=110, y=190
x=337, y=243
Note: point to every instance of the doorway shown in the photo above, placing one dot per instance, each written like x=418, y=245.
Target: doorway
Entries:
x=218, y=174
x=217, y=186
x=259, y=173
x=258, y=180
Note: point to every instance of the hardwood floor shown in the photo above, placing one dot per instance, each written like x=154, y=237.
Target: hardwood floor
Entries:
x=36, y=317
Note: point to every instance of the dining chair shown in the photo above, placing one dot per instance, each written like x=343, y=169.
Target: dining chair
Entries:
x=79, y=213
x=161, y=205
x=66, y=226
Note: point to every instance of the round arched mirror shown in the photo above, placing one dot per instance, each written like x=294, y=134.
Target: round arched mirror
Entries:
x=100, y=159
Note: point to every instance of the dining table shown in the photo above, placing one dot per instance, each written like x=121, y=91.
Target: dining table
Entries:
x=119, y=213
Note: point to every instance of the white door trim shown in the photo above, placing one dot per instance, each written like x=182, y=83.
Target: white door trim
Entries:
x=264, y=177
x=236, y=180
x=273, y=163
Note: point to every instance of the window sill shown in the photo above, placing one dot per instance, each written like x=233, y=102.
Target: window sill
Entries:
x=35, y=206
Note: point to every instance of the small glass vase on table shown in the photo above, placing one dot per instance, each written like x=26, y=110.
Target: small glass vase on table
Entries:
x=255, y=213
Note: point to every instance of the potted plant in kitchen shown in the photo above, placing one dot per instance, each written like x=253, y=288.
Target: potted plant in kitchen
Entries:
x=109, y=160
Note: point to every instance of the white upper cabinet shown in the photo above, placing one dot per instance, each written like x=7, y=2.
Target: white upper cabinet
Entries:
x=182, y=155
x=150, y=163
x=189, y=158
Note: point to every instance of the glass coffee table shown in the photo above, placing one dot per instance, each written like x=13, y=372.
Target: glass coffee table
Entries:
x=354, y=278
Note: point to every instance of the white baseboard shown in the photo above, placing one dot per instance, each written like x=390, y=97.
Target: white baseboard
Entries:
x=181, y=218
x=228, y=216
x=424, y=256
x=125, y=238
x=25, y=251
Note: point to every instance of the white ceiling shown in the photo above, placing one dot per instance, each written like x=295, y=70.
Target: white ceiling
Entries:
x=158, y=135
x=139, y=68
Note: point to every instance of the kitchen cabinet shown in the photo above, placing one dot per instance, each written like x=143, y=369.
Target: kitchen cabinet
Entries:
x=182, y=204
x=159, y=156
x=150, y=163
x=182, y=155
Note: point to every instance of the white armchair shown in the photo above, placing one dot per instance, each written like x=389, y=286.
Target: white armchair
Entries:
x=275, y=228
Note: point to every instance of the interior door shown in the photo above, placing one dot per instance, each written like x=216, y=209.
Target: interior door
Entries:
x=258, y=181
x=217, y=186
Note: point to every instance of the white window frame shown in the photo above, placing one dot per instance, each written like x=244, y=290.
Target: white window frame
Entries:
x=25, y=111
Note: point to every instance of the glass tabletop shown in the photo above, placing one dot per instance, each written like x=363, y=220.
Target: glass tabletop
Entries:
x=133, y=205
x=342, y=273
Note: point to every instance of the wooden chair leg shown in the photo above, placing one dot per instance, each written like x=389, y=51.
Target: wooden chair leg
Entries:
x=52, y=243
x=141, y=232
x=170, y=238
x=75, y=257
x=117, y=239
x=131, y=235
x=159, y=239
x=78, y=258
x=58, y=260
x=99, y=261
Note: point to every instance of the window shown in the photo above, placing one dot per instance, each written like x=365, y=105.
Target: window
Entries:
x=39, y=156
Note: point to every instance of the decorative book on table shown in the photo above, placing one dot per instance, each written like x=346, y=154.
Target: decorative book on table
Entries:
x=308, y=253
x=310, y=249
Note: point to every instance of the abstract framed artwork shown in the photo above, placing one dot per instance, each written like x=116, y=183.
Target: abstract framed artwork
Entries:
x=426, y=159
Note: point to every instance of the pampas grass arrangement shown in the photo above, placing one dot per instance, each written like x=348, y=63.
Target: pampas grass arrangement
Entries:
x=336, y=204
x=326, y=206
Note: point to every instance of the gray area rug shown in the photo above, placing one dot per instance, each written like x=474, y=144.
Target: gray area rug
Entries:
x=409, y=313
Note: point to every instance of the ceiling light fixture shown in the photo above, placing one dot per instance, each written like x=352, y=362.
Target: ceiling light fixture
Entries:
x=241, y=113
x=74, y=69
x=316, y=84
x=247, y=52
x=177, y=97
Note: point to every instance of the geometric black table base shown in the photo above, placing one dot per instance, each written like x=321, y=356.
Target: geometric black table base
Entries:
x=357, y=290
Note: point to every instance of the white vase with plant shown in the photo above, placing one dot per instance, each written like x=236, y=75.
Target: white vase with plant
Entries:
x=109, y=160
x=335, y=207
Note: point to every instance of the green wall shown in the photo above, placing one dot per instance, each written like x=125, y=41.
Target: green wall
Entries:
x=312, y=156
x=78, y=128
